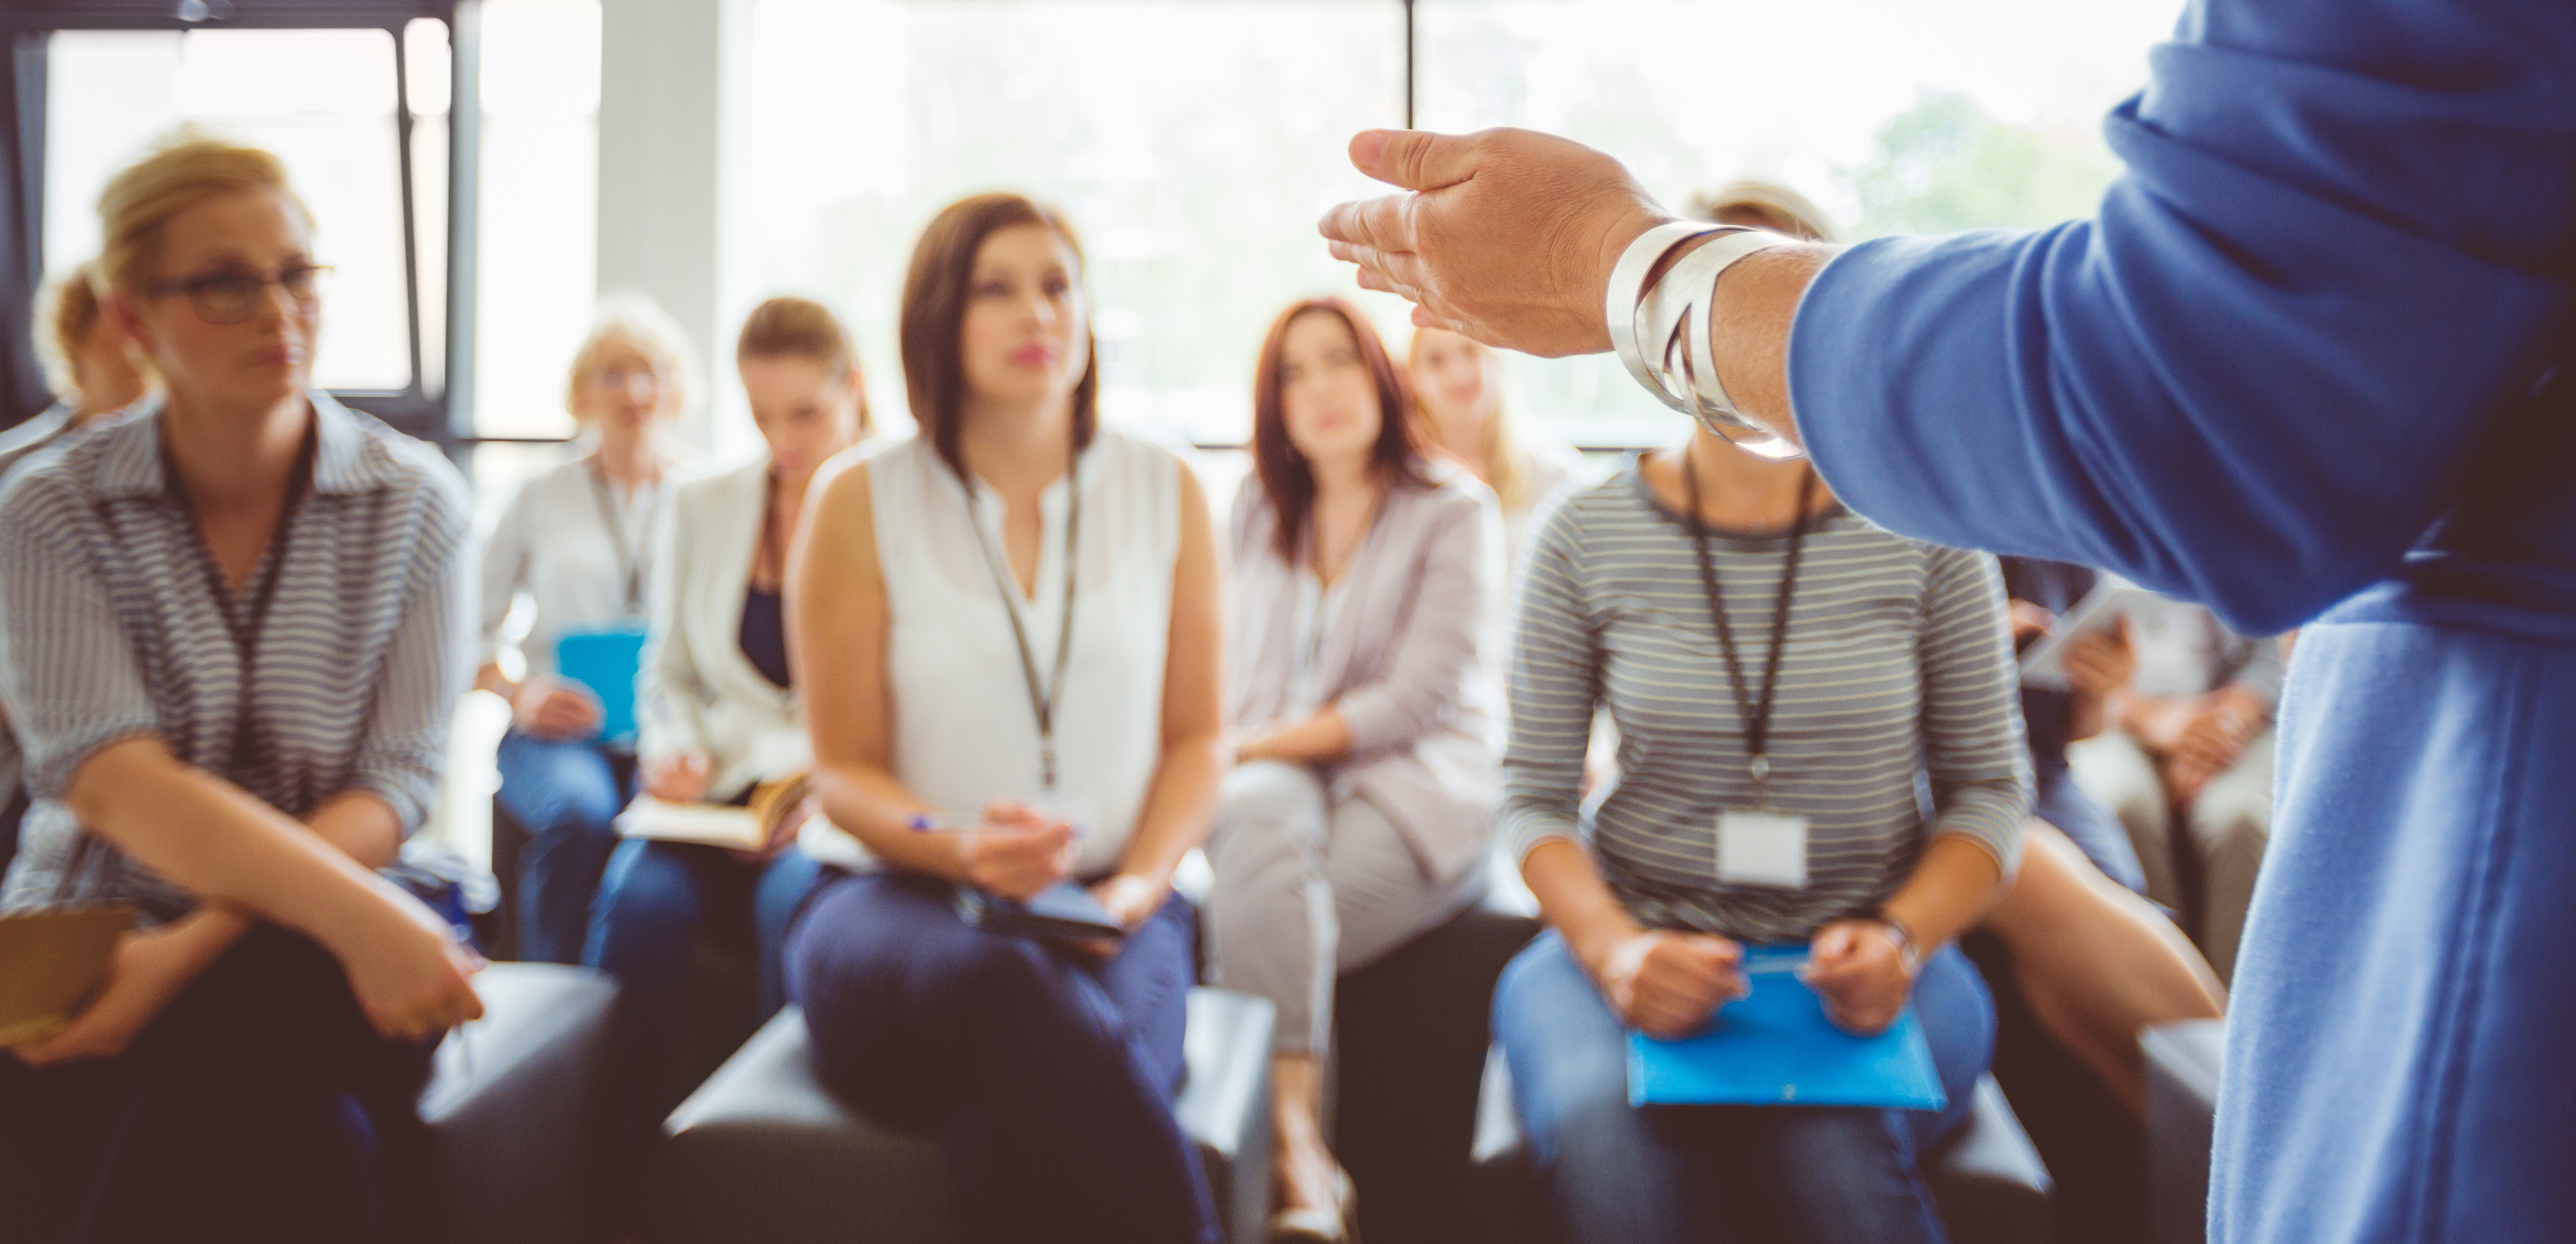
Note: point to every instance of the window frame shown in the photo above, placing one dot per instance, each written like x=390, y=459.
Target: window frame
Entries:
x=443, y=417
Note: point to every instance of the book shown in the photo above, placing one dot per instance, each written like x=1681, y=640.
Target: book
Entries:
x=1775, y=1047
x=744, y=827
x=1063, y=912
x=51, y=963
x=605, y=660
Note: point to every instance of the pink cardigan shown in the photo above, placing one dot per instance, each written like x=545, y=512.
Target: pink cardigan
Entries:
x=1410, y=661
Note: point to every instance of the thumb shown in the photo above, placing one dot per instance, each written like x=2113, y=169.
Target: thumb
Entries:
x=1413, y=159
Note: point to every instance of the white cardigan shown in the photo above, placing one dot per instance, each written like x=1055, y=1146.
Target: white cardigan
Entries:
x=696, y=689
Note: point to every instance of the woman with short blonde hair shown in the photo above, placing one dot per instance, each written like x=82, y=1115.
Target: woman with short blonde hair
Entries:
x=1457, y=387
x=577, y=542
x=237, y=628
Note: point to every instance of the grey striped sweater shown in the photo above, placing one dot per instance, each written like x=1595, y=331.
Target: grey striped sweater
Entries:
x=1896, y=719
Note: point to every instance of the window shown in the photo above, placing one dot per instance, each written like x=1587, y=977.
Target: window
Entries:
x=538, y=235
x=1857, y=103
x=1193, y=145
x=323, y=100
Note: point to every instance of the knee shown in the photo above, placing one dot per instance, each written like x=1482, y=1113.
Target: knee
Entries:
x=1269, y=796
x=647, y=886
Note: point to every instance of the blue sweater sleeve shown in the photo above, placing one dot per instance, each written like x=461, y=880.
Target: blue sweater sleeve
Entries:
x=2340, y=250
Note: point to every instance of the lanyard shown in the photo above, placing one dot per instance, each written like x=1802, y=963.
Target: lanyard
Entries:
x=628, y=560
x=245, y=633
x=1756, y=717
x=1042, y=700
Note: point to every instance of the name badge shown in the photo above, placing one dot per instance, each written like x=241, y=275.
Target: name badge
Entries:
x=1762, y=848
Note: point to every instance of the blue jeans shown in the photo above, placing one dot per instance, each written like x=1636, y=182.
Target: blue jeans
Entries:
x=1046, y=1075
x=656, y=900
x=566, y=794
x=1776, y=1174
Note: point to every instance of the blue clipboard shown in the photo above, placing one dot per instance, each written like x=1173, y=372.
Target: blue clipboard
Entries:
x=606, y=660
x=1774, y=1047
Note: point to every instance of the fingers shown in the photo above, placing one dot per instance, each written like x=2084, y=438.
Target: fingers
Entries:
x=1414, y=159
x=1380, y=224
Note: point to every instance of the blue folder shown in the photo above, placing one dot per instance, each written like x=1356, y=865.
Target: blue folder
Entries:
x=606, y=660
x=1774, y=1047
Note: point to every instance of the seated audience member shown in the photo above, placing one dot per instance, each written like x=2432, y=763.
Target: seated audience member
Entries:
x=1458, y=390
x=2088, y=960
x=717, y=707
x=577, y=541
x=1762, y=650
x=2190, y=767
x=2098, y=668
x=1007, y=634
x=1356, y=814
x=91, y=364
x=238, y=623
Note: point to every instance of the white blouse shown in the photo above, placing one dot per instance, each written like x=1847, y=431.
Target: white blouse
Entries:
x=965, y=730
x=556, y=544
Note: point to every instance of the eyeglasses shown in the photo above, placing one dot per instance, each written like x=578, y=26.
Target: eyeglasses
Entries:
x=623, y=379
x=232, y=297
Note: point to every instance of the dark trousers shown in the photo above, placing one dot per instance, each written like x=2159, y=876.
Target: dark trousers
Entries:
x=259, y=1105
x=657, y=902
x=1047, y=1076
x=567, y=794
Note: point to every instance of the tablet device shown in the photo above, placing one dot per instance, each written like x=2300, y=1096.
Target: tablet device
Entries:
x=2043, y=664
x=1063, y=912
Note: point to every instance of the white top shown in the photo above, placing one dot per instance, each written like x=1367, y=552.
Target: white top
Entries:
x=555, y=545
x=1316, y=607
x=696, y=689
x=965, y=732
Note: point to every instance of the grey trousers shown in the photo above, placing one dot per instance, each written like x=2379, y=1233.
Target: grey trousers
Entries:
x=1308, y=888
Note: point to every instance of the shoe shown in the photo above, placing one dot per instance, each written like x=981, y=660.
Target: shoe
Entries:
x=1321, y=1226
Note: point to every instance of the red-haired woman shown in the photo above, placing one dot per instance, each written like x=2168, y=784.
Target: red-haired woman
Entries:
x=1356, y=813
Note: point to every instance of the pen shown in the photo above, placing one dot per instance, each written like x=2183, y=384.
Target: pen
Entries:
x=932, y=823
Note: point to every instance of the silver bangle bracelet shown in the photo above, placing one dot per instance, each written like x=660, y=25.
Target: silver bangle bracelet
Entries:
x=1662, y=334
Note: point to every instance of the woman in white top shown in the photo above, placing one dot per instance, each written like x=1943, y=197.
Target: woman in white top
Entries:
x=1458, y=389
x=717, y=713
x=1007, y=630
x=577, y=541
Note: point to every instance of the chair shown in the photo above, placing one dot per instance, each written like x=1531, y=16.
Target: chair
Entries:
x=1987, y=1179
x=514, y=1105
x=1409, y=1039
x=2183, y=1065
x=763, y=1152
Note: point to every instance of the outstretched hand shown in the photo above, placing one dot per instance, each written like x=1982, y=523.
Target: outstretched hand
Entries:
x=1505, y=235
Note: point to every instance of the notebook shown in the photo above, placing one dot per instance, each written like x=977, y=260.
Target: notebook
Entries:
x=606, y=659
x=50, y=964
x=742, y=828
x=1063, y=912
x=1774, y=1047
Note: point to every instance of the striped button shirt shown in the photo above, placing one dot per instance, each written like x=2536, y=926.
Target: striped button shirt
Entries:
x=115, y=628
x=1895, y=723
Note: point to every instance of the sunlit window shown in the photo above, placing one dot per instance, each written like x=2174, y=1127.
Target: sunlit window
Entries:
x=539, y=210
x=1194, y=145
x=323, y=100
x=1894, y=115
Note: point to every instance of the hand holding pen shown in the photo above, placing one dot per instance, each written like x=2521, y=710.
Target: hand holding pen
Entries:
x=1016, y=851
